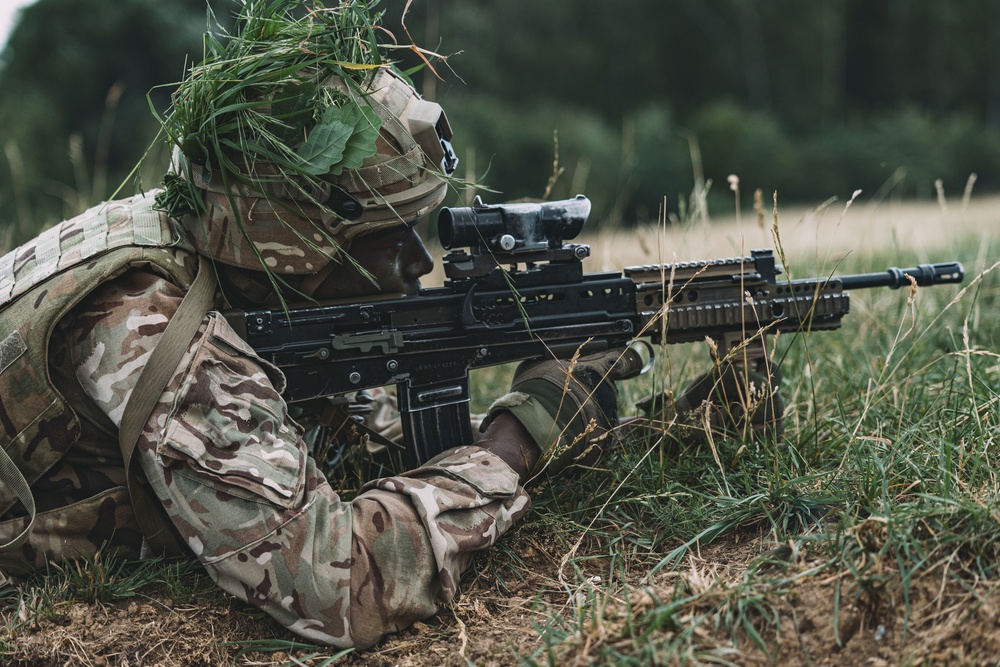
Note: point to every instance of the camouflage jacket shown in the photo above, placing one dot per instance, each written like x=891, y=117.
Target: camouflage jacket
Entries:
x=232, y=472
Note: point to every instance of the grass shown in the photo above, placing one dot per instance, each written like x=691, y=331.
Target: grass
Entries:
x=885, y=474
x=867, y=529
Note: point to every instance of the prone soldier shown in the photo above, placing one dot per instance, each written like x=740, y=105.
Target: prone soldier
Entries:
x=134, y=421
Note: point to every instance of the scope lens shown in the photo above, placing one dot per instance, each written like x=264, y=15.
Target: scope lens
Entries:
x=445, y=228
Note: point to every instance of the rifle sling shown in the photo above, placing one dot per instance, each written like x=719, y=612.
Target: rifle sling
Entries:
x=12, y=478
x=153, y=380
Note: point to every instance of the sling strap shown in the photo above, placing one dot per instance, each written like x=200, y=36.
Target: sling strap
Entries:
x=153, y=380
x=12, y=478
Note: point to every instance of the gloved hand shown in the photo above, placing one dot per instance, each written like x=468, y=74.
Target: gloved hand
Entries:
x=728, y=400
x=568, y=406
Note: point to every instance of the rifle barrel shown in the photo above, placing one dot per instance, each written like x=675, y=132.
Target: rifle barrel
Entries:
x=894, y=278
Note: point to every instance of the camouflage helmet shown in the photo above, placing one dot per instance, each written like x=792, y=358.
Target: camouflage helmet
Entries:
x=341, y=150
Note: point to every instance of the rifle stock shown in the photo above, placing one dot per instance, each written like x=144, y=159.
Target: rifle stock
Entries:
x=517, y=291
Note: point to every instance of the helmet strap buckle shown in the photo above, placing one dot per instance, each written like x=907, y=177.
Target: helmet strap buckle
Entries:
x=343, y=204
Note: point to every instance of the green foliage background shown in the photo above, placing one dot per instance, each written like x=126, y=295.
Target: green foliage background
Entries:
x=812, y=99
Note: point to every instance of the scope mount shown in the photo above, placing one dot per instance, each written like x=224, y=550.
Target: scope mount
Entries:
x=563, y=262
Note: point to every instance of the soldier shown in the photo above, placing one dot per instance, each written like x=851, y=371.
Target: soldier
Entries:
x=134, y=421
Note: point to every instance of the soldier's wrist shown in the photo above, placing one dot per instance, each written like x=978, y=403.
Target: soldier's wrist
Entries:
x=508, y=439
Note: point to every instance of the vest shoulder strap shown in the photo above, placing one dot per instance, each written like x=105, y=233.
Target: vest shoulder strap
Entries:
x=153, y=379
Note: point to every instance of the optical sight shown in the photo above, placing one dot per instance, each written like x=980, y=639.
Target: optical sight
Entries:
x=512, y=228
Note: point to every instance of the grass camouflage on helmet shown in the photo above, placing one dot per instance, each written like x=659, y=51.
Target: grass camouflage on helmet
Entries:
x=294, y=135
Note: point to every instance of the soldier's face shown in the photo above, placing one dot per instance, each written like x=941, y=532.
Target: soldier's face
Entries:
x=395, y=259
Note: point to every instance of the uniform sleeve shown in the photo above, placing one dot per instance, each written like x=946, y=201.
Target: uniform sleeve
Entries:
x=232, y=471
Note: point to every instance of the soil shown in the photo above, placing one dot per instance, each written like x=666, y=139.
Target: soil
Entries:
x=951, y=621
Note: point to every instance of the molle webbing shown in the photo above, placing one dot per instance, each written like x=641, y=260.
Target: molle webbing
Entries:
x=77, y=240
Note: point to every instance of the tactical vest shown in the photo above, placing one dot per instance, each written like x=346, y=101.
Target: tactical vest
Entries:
x=40, y=282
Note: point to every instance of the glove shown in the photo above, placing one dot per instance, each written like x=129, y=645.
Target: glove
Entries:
x=568, y=407
x=728, y=401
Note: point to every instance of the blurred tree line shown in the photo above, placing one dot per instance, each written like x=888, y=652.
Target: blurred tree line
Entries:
x=637, y=103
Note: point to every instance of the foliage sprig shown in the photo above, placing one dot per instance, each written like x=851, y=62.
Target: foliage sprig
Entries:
x=258, y=97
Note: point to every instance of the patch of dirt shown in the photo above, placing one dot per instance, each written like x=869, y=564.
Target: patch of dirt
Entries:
x=144, y=630
x=951, y=622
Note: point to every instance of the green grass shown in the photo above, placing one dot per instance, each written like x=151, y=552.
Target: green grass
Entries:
x=886, y=472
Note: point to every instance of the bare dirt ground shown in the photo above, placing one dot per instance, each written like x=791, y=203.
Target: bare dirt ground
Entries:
x=946, y=620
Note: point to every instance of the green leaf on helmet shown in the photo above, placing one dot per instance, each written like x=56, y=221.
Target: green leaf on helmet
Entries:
x=362, y=141
x=291, y=110
x=342, y=139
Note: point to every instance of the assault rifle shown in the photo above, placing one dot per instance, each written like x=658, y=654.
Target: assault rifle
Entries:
x=516, y=290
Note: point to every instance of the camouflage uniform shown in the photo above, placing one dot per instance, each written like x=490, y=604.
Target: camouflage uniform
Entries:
x=232, y=473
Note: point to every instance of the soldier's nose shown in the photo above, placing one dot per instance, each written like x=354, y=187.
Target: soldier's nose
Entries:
x=417, y=261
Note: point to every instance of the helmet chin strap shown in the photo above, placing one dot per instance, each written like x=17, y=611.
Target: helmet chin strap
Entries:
x=253, y=287
x=312, y=282
x=249, y=288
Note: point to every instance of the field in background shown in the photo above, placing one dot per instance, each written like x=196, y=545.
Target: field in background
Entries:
x=915, y=232
x=868, y=535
